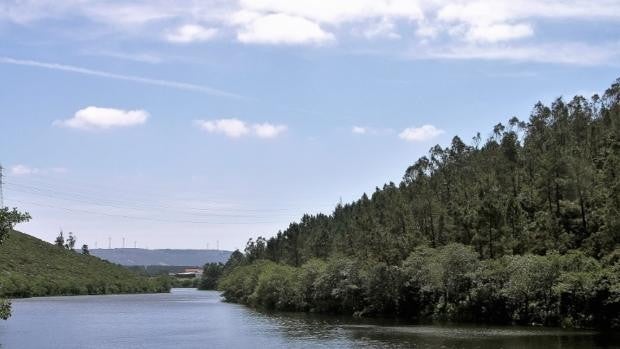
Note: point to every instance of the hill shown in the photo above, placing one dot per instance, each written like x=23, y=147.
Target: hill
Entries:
x=167, y=257
x=522, y=225
x=32, y=267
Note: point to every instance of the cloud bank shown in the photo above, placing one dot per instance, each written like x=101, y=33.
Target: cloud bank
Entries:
x=448, y=29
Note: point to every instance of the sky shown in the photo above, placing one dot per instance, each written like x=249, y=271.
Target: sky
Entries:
x=195, y=124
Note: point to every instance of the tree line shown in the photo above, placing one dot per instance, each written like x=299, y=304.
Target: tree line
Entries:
x=69, y=242
x=521, y=226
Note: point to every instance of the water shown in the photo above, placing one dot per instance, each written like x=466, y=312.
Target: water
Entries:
x=187, y=318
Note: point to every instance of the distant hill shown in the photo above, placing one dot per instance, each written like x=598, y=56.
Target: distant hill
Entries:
x=33, y=267
x=139, y=256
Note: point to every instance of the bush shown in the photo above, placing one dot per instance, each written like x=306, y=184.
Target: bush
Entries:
x=339, y=288
x=277, y=287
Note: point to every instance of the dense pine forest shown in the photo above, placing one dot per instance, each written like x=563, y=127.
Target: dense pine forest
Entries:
x=518, y=226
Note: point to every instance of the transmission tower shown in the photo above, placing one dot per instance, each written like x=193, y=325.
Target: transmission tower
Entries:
x=1, y=189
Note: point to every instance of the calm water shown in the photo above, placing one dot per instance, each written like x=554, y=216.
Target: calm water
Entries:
x=188, y=318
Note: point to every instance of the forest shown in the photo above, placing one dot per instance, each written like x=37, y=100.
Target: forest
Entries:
x=520, y=226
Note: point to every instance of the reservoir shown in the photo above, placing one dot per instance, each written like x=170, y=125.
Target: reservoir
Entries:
x=187, y=318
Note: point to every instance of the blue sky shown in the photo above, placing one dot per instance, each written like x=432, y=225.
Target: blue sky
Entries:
x=182, y=124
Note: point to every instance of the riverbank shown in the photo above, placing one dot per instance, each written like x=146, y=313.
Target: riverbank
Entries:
x=449, y=283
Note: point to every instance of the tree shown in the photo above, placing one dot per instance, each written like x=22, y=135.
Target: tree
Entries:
x=85, y=250
x=60, y=240
x=70, y=242
x=210, y=275
x=8, y=219
x=529, y=287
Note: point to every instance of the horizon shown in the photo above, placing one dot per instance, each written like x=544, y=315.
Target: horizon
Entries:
x=175, y=127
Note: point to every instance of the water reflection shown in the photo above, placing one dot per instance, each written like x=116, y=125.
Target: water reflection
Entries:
x=194, y=319
x=381, y=333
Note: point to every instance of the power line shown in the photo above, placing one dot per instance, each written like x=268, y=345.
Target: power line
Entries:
x=149, y=198
x=137, y=217
x=1, y=187
x=59, y=196
x=150, y=205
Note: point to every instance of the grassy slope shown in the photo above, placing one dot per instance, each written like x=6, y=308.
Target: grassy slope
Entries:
x=32, y=267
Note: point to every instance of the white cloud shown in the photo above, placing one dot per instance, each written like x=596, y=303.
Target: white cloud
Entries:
x=381, y=29
x=420, y=134
x=359, y=130
x=283, y=29
x=437, y=25
x=190, y=33
x=337, y=12
x=235, y=128
x=267, y=130
x=91, y=118
x=374, y=131
x=23, y=170
x=499, y=32
x=426, y=30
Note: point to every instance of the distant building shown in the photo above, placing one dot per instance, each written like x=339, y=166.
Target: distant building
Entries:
x=188, y=273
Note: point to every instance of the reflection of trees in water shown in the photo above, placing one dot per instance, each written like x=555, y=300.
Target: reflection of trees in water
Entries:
x=315, y=330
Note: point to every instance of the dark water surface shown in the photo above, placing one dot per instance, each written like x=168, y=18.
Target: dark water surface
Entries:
x=187, y=318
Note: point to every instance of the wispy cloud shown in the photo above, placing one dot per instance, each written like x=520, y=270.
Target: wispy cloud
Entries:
x=136, y=57
x=359, y=130
x=25, y=170
x=235, y=128
x=189, y=33
x=108, y=75
x=375, y=131
x=572, y=53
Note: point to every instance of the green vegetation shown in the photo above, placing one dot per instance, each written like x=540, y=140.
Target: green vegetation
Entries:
x=177, y=282
x=156, y=270
x=521, y=228
x=8, y=219
x=210, y=275
x=31, y=267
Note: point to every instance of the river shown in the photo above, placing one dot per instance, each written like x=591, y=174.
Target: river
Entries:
x=187, y=318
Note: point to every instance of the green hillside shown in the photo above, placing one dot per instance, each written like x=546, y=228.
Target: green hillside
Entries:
x=32, y=267
x=520, y=226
